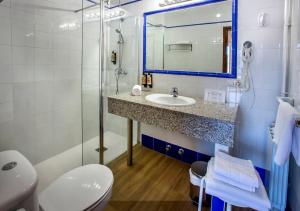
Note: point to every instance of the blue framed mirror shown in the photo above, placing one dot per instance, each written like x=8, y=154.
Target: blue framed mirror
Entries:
x=198, y=39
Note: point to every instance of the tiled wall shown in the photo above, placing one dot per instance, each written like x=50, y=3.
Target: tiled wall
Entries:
x=255, y=113
x=40, y=77
x=294, y=187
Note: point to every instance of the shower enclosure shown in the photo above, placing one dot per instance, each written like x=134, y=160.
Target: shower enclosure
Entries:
x=55, y=75
x=119, y=74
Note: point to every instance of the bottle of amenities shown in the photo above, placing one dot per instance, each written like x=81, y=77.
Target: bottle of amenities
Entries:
x=113, y=57
x=144, y=80
x=149, y=80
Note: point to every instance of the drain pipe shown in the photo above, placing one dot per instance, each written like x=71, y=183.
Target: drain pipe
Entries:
x=286, y=48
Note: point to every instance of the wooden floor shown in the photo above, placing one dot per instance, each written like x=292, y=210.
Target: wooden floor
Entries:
x=154, y=182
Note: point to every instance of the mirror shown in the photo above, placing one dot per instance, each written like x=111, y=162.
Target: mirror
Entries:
x=196, y=39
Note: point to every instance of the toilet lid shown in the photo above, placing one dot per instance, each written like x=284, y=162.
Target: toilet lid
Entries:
x=77, y=189
x=18, y=179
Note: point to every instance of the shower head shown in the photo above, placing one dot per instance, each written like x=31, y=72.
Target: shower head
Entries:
x=117, y=30
x=1, y=1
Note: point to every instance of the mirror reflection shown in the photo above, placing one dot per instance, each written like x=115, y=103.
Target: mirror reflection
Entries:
x=192, y=39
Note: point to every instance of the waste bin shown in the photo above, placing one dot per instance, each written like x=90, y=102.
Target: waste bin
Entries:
x=199, y=168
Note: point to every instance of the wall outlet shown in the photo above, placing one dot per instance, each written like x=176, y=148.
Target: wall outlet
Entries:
x=237, y=83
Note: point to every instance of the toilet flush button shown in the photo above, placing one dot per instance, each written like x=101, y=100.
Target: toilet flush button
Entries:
x=9, y=166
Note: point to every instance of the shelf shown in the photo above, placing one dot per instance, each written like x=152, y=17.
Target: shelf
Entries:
x=180, y=46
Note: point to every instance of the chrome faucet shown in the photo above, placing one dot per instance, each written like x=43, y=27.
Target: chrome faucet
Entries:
x=174, y=92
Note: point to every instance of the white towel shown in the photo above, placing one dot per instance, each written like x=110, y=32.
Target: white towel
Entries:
x=238, y=170
x=234, y=183
x=136, y=90
x=257, y=200
x=296, y=145
x=283, y=132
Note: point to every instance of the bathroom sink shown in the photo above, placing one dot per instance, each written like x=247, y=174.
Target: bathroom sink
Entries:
x=169, y=100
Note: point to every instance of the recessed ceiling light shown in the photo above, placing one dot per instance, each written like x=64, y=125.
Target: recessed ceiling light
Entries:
x=218, y=15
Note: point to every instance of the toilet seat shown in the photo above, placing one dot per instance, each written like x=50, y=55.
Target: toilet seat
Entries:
x=79, y=189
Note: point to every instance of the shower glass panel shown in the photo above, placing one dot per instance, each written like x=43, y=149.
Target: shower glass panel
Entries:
x=121, y=36
x=40, y=83
x=91, y=84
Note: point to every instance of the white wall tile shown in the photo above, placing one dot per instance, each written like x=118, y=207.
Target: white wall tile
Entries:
x=23, y=73
x=6, y=93
x=5, y=55
x=44, y=72
x=43, y=40
x=4, y=10
x=5, y=30
x=23, y=56
x=43, y=96
x=6, y=112
x=6, y=73
x=44, y=56
x=6, y=131
x=23, y=36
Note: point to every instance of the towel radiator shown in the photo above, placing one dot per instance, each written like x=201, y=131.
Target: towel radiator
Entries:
x=278, y=179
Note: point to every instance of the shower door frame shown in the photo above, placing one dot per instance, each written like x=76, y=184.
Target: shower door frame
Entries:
x=101, y=81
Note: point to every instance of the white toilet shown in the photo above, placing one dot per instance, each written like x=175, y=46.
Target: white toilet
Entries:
x=87, y=187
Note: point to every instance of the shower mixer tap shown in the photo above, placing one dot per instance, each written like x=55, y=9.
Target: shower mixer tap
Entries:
x=119, y=70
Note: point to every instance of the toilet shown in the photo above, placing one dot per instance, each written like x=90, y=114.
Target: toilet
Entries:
x=86, y=187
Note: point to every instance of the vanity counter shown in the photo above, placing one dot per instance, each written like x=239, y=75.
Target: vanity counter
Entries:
x=205, y=121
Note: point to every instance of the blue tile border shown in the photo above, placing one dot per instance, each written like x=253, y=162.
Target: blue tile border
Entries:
x=217, y=204
x=189, y=156
x=264, y=175
x=147, y=141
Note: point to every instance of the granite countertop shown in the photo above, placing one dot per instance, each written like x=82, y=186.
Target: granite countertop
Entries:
x=206, y=121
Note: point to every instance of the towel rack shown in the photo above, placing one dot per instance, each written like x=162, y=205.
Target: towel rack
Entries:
x=291, y=101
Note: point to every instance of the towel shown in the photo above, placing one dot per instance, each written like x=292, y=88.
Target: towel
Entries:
x=296, y=145
x=235, y=171
x=257, y=200
x=136, y=90
x=283, y=132
x=233, y=182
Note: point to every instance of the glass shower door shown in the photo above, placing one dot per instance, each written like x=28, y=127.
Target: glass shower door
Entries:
x=121, y=74
x=114, y=76
x=91, y=84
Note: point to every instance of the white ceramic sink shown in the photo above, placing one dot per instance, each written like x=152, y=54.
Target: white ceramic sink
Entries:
x=169, y=100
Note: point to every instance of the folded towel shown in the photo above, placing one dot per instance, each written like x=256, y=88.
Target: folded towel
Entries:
x=238, y=170
x=233, y=182
x=296, y=145
x=257, y=200
x=136, y=90
x=283, y=132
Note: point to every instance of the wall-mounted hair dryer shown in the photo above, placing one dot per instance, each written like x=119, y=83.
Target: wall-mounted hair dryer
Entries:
x=247, y=57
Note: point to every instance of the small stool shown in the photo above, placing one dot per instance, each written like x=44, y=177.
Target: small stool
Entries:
x=197, y=174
